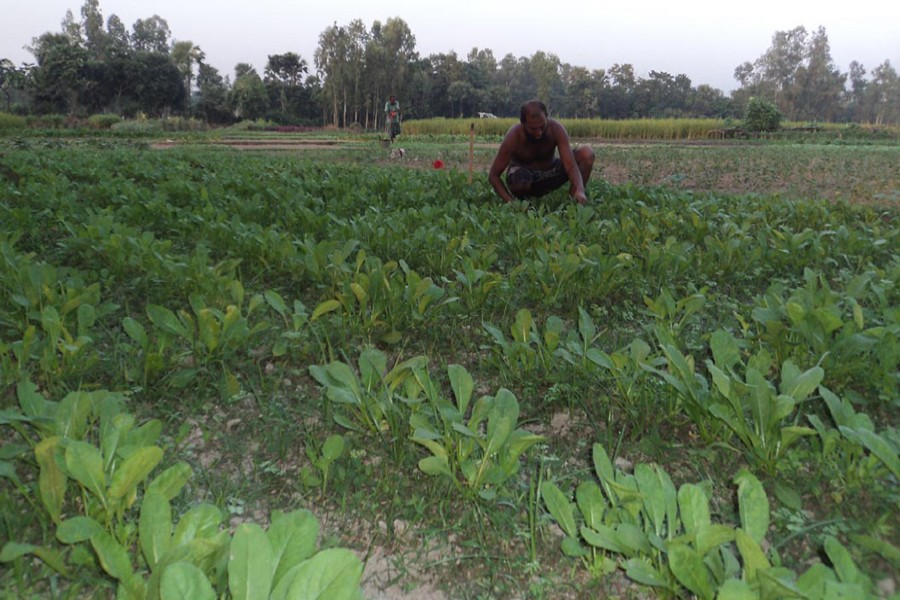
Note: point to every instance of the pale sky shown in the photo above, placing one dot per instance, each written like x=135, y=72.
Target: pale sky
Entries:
x=703, y=39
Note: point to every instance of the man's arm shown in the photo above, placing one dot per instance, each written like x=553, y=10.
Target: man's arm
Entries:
x=501, y=161
x=567, y=157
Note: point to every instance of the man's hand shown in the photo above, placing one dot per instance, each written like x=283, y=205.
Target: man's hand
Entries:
x=580, y=198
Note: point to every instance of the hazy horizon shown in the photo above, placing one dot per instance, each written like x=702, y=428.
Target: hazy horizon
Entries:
x=697, y=38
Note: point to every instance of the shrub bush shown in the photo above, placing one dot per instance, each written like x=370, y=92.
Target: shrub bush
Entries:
x=762, y=115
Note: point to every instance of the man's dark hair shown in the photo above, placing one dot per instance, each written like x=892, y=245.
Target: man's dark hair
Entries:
x=531, y=107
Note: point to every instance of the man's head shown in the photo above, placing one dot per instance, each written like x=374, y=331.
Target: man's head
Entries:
x=533, y=116
x=392, y=98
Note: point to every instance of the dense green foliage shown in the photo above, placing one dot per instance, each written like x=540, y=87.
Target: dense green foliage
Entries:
x=408, y=315
x=761, y=115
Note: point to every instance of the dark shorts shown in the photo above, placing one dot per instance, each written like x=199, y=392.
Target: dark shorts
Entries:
x=529, y=183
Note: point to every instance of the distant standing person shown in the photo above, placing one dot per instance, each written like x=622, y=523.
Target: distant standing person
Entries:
x=528, y=154
x=392, y=117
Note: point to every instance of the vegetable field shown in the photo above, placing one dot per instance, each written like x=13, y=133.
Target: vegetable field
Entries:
x=235, y=374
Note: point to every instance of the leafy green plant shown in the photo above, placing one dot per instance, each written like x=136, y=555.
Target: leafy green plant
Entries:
x=529, y=348
x=853, y=435
x=189, y=342
x=756, y=412
x=322, y=459
x=672, y=314
x=370, y=402
x=665, y=538
x=476, y=446
x=154, y=556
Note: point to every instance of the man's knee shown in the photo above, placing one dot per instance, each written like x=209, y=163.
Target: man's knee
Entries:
x=584, y=155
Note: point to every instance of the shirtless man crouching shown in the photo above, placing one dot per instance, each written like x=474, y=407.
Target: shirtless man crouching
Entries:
x=528, y=155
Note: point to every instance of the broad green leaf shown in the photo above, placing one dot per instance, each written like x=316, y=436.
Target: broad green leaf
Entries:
x=201, y=521
x=887, y=550
x=789, y=435
x=112, y=432
x=799, y=385
x=688, y=568
x=694, y=507
x=711, y=536
x=633, y=539
x=501, y=420
x=333, y=448
x=145, y=435
x=520, y=441
x=13, y=550
x=435, y=465
x=135, y=331
x=878, y=446
x=372, y=367
x=761, y=401
x=572, y=548
x=332, y=574
x=462, y=384
x=840, y=558
x=155, y=527
x=604, y=537
x=51, y=557
x=788, y=496
x=166, y=320
x=51, y=479
x=813, y=581
x=640, y=569
x=586, y=328
x=32, y=402
x=324, y=308
x=133, y=471
x=735, y=589
x=522, y=326
x=277, y=303
x=293, y=537
x=77, y=529
x=113, y=556
x=753, y=557
x=183, y=581
x=85, y=464
x=721, y=380
x=655, y=489
x=561, y=509
x=753, y=505
x=251, y=563
x=591, y=503
x=602, y=465
x=170, y=482
x=72, y=414
x=725, y=348
x=208, y=328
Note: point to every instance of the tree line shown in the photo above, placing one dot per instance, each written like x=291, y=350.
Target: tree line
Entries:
x=96, y=65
